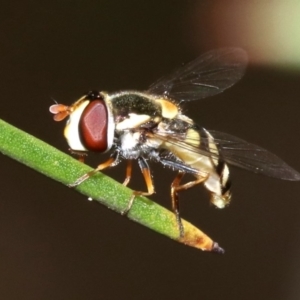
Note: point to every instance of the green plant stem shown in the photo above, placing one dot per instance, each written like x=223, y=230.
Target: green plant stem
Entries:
x=63, y=168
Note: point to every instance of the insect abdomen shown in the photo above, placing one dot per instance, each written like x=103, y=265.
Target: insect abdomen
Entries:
x=213, y=168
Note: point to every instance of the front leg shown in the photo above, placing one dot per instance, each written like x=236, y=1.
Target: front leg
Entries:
x=113, y=160
x=128, y=172
x=80, y=154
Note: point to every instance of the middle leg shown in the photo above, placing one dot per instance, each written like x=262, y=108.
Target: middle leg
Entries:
x=149, y=183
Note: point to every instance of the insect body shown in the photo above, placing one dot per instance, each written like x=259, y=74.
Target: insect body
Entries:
x=150, y=126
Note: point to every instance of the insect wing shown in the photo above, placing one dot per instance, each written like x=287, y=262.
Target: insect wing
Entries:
x=236, y=152
x=208, y=75
x=248, y=156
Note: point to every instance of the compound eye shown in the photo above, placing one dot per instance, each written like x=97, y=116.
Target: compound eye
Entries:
x=93, y=95
x=93, y=126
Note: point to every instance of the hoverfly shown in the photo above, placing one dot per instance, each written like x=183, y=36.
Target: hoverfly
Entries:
x=150, y=126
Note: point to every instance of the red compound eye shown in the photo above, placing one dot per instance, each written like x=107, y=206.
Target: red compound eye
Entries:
x=93, y=126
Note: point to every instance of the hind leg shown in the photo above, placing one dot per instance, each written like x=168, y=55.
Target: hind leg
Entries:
x=175, y=188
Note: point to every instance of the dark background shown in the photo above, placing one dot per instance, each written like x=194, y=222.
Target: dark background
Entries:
x=54, y=244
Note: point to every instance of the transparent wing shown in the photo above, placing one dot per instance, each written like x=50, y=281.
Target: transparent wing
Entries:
x=253, y=158
x=208, y=75
x=237, y=152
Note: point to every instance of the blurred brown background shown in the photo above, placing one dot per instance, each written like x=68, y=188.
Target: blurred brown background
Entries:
x=54, y=244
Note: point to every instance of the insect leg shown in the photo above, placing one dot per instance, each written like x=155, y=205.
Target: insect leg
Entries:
x=81, y=155
x=190, y=184
x=150, y=187
x=128, y=172
x=175, y=202
x=111, y=161
x=175, y=188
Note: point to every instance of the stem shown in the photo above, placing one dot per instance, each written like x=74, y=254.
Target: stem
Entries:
x=63, y=168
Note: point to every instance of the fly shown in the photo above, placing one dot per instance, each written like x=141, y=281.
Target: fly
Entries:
x=150, y=126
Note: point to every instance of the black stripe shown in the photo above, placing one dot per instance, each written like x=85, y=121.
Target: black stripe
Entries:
x=225, y=188
x=220, y=171
x=220, y=167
